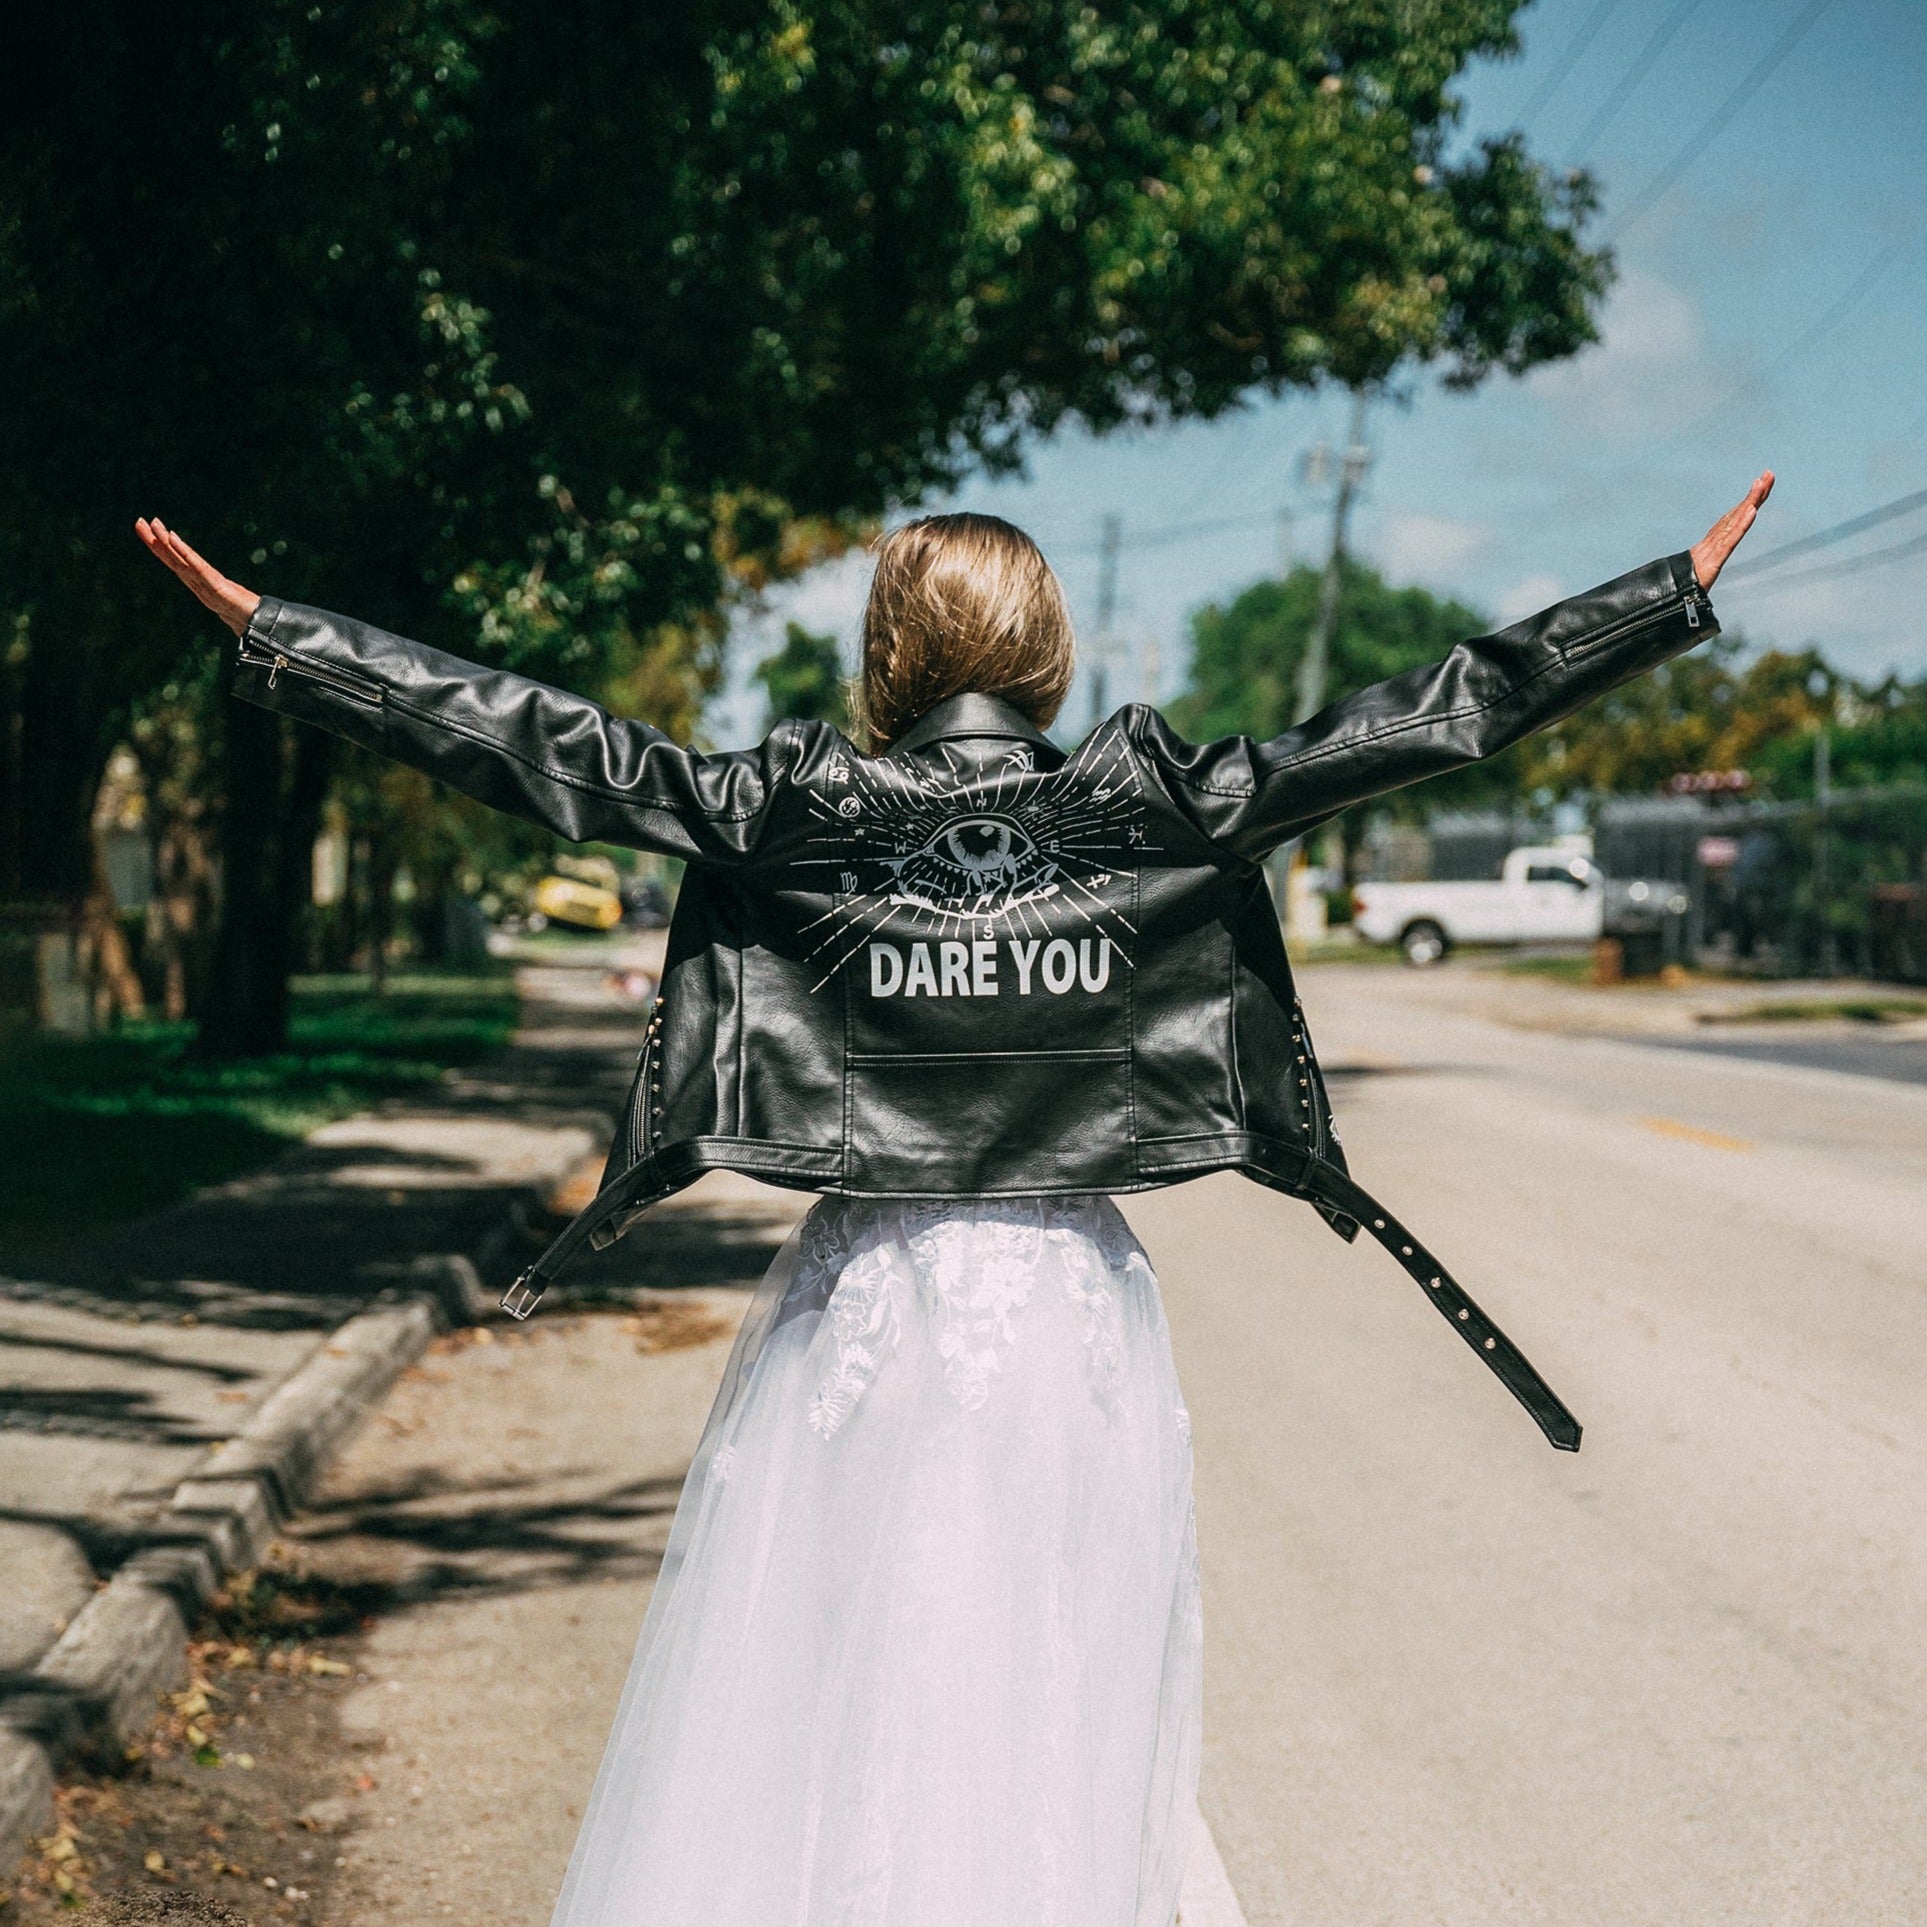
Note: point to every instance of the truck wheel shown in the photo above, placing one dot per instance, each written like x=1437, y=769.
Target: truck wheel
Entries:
x=1423, y=943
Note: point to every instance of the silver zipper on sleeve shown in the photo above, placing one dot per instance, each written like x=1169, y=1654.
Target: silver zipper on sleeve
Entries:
x=1690, y=601
x=357, y=688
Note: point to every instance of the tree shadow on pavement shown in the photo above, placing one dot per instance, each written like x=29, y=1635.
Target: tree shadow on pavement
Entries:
x=426, y=1536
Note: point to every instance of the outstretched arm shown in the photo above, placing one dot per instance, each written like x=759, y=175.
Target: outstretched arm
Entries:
x=520, y=746
x=1482, y=698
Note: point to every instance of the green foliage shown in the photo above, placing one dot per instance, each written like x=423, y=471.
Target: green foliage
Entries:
x=1245, y=657
x=1245, y=653
x=542, y=333
x=1713, y=709
x=804, y=678
x=1878, y=736
x=1709, y=710
x=109, y=1128
x=530, y=323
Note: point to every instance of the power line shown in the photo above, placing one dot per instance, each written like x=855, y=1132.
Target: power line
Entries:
x=1710, y=130
x=1173, y=532
x=1623, y=90
x=1567, y=61
x=1827, y=571
x=1826, y=538
x=1837, y=313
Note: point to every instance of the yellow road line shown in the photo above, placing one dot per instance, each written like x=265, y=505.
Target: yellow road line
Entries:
x=1692, y=1134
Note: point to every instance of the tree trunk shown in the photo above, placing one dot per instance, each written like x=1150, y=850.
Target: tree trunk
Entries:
x=277, y=778
x=118, y=982
x=54, y=737
x=381, y=905
x=57, y=739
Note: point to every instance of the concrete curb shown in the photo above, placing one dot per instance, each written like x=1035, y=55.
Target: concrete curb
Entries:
x=96, y=1686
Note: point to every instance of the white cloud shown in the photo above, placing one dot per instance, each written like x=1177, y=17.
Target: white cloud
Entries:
x=1424, y=548
x=1528, y=596
x=1651, y=366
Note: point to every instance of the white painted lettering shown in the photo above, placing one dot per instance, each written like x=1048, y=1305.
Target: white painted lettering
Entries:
x=1089, y=978
x=886, y=970
x=956, y=969
x=1060, y=966
x=983, y=968
x=922, y=977
x=1023, y=955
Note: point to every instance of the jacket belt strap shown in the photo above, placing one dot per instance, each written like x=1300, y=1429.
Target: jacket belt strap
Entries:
x=625, y=1195
x=1329, y=1185
x=1320, y=1181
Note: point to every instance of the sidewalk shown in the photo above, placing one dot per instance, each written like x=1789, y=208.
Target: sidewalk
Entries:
x=145, y=1348
x=487, y=1547
x=1728, y=1009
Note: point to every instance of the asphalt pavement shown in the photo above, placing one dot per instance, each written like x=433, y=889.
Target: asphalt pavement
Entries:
x=1456, y=1678
x=1452, y=1677
x=1833, y=1048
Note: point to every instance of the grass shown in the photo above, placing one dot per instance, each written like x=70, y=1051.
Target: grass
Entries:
x=1345, y=951
x=1860, y=1010
x=103, y=1129
x=1561, y=970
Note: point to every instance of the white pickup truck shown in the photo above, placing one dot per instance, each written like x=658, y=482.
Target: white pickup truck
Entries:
x=1546, y=895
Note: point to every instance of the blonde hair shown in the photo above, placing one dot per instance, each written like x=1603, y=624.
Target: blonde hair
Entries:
x=961, y=603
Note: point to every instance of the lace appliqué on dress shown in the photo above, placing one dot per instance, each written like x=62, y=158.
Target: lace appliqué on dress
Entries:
x=865, y=1323
x=981, y=1271
x=967, y=1269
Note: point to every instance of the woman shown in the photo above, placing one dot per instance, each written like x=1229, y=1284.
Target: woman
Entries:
x=926, y=1646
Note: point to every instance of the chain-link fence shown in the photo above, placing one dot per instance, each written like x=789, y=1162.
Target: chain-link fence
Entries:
x=1825, y=887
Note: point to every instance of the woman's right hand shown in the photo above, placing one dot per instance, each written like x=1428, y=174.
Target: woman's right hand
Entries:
x=1712, y=549
x=232, y=603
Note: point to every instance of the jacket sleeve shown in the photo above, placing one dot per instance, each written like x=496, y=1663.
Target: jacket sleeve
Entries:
x=520, y=746
x=1485, y=696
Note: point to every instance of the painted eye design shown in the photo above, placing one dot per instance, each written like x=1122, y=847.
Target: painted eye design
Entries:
x=979, y=845
x=975, y=866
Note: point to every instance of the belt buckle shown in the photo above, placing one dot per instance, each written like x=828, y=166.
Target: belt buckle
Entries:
x=524, y=1295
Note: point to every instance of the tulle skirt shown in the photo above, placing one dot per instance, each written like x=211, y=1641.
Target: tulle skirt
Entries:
x=926, y=1648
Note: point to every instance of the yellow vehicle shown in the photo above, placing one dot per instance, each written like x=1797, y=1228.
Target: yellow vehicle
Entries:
x=580, y=905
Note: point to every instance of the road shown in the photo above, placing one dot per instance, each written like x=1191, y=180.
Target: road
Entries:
x=1904, y=1059
x=1453, y=1678
x=1456, y=1678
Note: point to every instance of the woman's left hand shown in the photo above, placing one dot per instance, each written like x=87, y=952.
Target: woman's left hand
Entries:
x=232, y=603
x=1719, y=542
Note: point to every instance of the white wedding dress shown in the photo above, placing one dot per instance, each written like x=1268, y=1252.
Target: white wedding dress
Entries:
x=926, y=1646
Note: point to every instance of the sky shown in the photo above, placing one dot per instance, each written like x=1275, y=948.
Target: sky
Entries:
x=1771, y=311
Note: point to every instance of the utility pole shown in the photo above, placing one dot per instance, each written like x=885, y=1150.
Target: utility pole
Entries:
x=1314, y=667
x=1286, y=555
x=1109, y=542
x=1823, y=850
x=1303, y=908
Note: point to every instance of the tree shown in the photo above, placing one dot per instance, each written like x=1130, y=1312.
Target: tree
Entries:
x=1245, y=656
x=541, y=332
x=1245, y=653
x=805, y=678
x=1710, y=710
x=1878, y=736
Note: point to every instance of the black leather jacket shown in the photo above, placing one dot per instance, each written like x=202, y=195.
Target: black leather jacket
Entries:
x=976, y=964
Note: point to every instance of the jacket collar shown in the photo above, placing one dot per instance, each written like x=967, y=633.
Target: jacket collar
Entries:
x=970, y=714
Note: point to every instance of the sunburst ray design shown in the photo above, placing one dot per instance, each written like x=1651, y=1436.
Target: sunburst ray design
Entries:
x=972, y=849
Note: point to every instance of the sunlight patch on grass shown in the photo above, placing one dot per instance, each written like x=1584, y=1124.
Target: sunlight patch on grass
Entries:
x=107, y=1128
